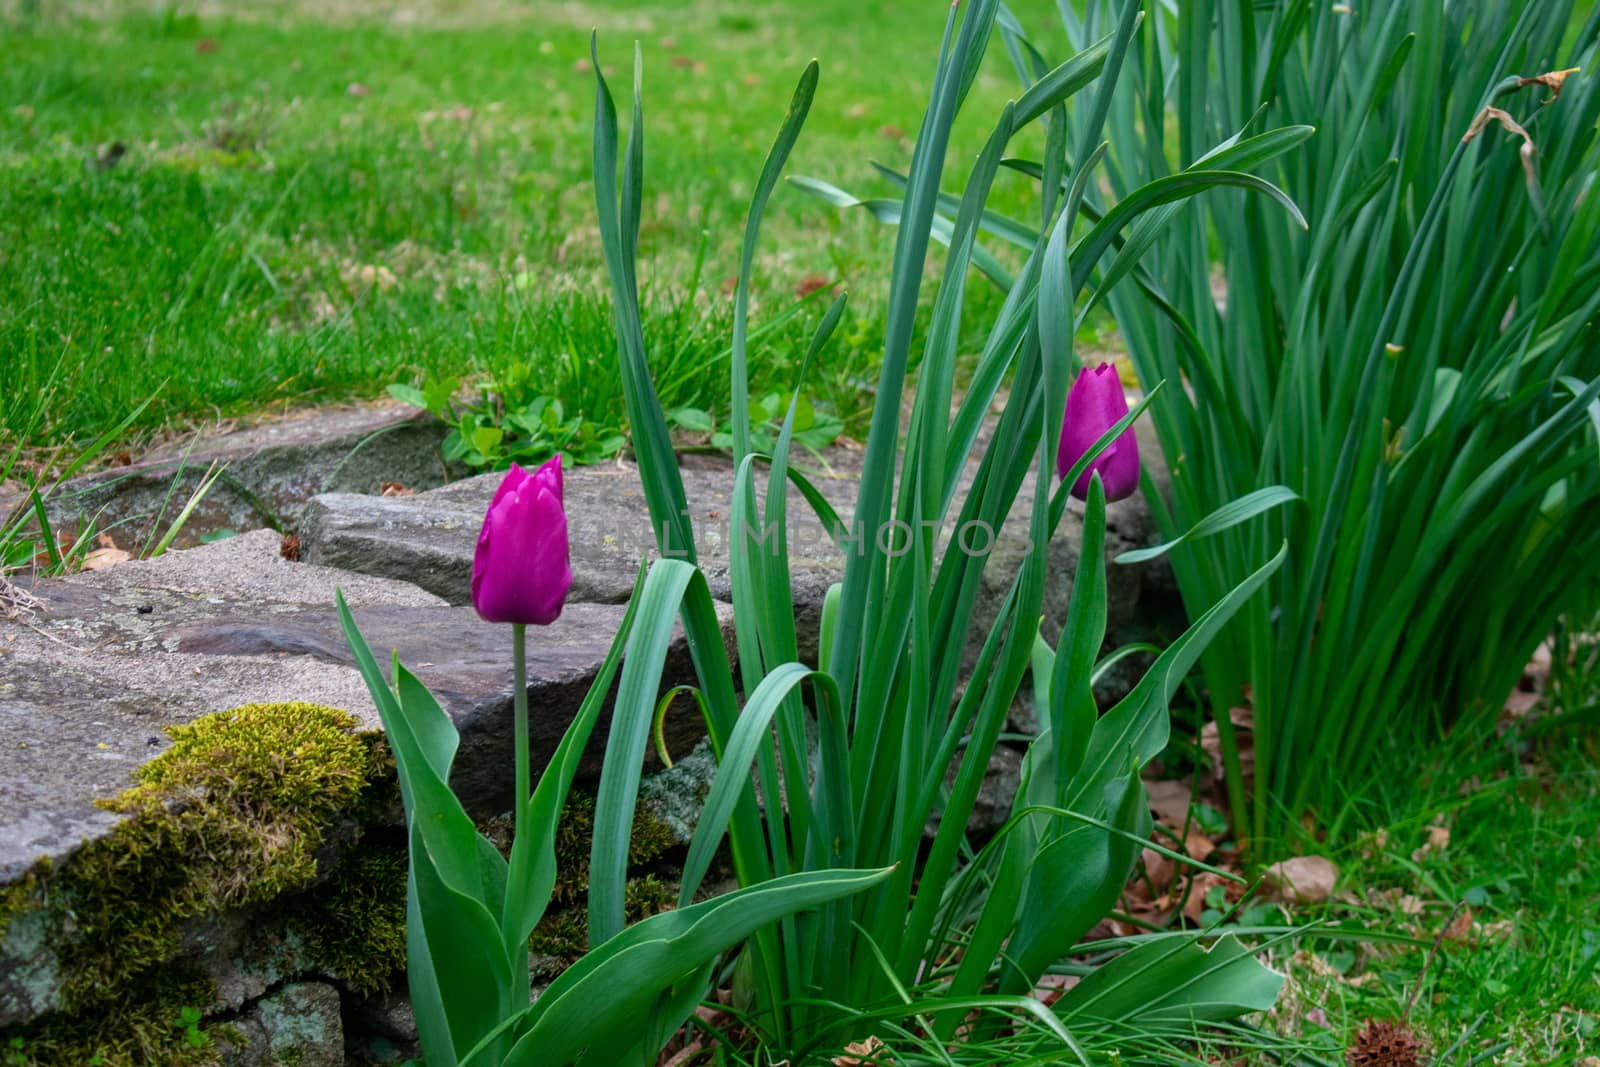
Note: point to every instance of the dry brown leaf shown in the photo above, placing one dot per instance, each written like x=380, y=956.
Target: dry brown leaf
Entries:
x=1198, y=846
x=101, y=558
x=1244, y=722
x=858, y=1049
x=1303, y=879
x=1510, y=125
x=688, y=1053
x=395, y=489
x=1169, y=801
x=1550, y=79
x=1438, y=841
x=1158, y=869
x=1520, y=702
x=1199, y=888
x=1536, y=675
x=1460, y=929
x=810, y=284
x=1052, y=986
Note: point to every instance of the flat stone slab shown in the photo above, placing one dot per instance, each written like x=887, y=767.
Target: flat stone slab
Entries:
x=88, y=683
x=270, y=470
x=430, y=539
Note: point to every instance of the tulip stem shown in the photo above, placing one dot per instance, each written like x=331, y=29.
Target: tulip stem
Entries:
x=519, y=701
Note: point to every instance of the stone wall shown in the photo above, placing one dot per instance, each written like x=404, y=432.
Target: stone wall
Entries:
x=202, y=858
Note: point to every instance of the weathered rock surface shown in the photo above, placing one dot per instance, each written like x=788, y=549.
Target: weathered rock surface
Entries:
x=430, y=539
x=382, y=1030
x=87, y=685
x=300, y=1024
x=272, y=469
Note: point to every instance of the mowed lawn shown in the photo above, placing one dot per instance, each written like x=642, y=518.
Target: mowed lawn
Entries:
x=245, y=207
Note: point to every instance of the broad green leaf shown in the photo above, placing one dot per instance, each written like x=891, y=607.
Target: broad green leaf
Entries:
x=1173, y=980
x=590, y=1015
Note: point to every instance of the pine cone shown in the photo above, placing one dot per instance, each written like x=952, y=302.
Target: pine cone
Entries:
x=1385, y=1043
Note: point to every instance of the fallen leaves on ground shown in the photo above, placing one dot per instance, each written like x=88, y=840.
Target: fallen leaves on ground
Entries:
x=101, y=558
x=1438, y=840
x=1052, y=986
x=1244, y=724
x=810, y=284
x=858, y=1053
x=107, y=555
x=1302, y=879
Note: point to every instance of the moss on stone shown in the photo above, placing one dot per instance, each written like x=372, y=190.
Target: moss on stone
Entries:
x=231, y=816
x=355, y=923
x=575, y=836
x=128, y=1028
x=22, y=895
x=563, y=937
x=234, y=815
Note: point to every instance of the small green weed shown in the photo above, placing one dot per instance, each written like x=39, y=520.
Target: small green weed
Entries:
x=188, y=1021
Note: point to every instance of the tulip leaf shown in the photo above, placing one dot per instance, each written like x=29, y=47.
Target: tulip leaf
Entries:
x=1071, y=712
x=590, y=1015
x=532, y=875
x=1062, y=82
x=733, y=766
x=1174, y=980
x=1139, y=722
x=455, y=886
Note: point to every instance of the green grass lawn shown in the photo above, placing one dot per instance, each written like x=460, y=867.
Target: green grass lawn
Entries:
x=1510, y=829
x=305, y=201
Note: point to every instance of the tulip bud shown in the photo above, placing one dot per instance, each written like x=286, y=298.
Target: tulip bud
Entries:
x=522, y=571
x=1094, y=404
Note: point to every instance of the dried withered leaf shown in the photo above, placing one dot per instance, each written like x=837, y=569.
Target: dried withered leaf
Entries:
x=1519, y=703
x=1550, y=79
x=1511, y=125
x=1438, y=840
x=1460, y=929
x=1199, y=887
x=1303, y=879
x=1052, y=986
x=101, y=558
x=810, y=284
x=1244, y=722
x=1169, y=801
x=395, y=489
x=856, y=1050
x=1158, y=869
x=289, y=548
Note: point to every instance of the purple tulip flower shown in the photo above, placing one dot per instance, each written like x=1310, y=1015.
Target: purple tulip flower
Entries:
x=1094, y=404
x=522, y=570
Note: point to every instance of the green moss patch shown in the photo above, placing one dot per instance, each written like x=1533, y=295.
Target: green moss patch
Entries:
x=563, y=936
x=233, y=816
x=355, y=924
